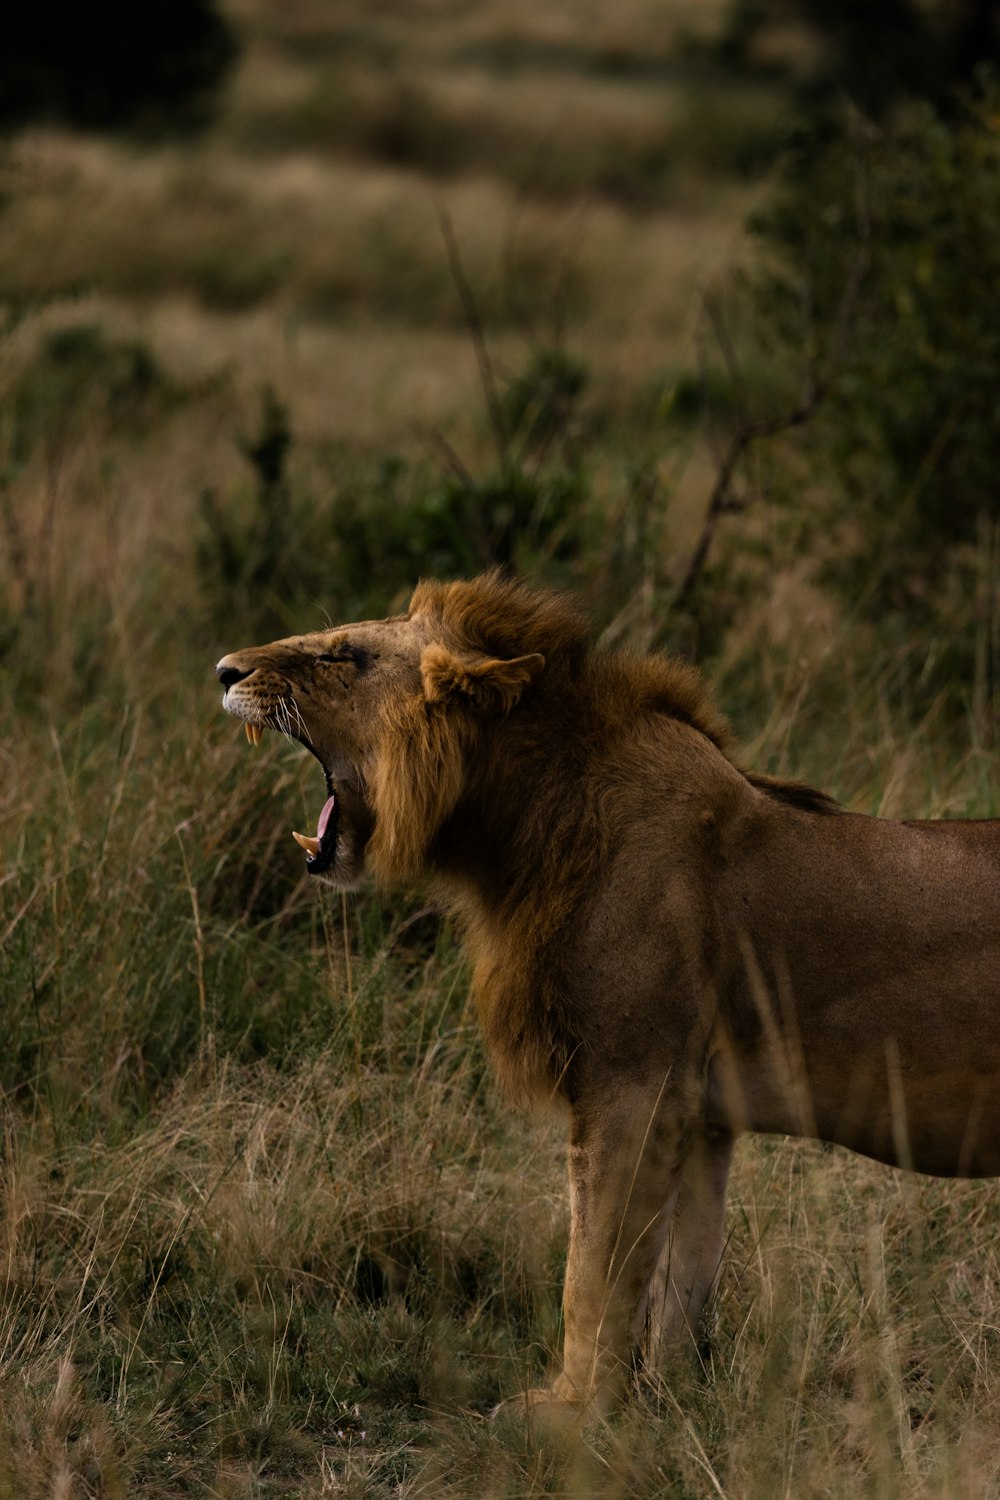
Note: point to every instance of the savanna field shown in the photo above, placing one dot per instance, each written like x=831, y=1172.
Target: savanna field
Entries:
x=442, y=286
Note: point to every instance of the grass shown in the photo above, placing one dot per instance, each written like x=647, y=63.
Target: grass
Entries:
x=266, y=1229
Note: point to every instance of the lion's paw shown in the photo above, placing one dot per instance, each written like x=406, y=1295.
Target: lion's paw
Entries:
x=543, y=1406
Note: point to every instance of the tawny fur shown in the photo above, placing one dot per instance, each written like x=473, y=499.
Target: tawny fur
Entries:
x=677, y=949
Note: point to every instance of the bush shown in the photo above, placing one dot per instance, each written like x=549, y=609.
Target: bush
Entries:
x=112, y=66
x=874, y=54
x=881, y=297
x=266, y=557
x=911, y=422
x=82, y=376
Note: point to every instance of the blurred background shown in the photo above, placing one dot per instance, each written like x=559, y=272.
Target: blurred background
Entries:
x=692, y=306
x=689, y=305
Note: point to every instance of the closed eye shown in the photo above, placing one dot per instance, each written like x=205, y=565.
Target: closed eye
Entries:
x=354, y=656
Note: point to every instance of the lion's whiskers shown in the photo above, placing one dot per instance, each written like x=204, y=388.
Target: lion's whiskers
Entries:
x=288, y=720
x=304, y=733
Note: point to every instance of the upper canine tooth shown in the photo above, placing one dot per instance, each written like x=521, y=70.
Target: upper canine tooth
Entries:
x=249, y=732
x=311, y=846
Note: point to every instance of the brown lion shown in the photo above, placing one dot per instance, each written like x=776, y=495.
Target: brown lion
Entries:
x=676, y=948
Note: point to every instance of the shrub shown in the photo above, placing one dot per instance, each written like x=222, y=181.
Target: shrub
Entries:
x=112, y=66
x=874, y=54
x=80, y=376
x=879, y=309
x=911, y=422
x=266, y=557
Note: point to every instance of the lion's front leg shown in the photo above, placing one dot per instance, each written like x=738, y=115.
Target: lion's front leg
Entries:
x=624, y=1166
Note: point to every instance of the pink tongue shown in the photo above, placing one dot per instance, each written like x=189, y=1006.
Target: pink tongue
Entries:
x=324, y=816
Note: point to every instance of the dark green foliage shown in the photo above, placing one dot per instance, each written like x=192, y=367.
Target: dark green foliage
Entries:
x=876, y=309
x=267, y=557
x=875, y=54
x=112, y=66
x=539, y=404
x=82, y=374
x=530, y=507
x=911, y=425
x=253, y=551
x=405, y=524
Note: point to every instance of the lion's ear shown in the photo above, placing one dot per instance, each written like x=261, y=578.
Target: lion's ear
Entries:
x=486, y=683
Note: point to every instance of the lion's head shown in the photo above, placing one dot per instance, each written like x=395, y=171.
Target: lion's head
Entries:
x=394, y=709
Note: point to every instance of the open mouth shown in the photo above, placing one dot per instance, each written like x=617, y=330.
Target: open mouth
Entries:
x=321, y=847
x=321, y=850
x=337, y=849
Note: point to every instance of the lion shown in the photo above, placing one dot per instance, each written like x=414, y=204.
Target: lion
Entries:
x=676, y=949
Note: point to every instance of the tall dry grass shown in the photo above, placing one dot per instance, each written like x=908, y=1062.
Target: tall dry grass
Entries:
x=265, y=1228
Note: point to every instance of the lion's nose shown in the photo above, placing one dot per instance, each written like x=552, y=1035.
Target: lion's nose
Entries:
x=228, y=674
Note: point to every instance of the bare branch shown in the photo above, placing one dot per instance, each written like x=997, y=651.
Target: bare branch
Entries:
x=436, y=439
x=720, y=502
x=474, y=324
x=816, y=385
x=720, y=331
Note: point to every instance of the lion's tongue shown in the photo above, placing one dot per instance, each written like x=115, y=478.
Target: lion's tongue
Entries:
x=312, y=846
x=325, y=816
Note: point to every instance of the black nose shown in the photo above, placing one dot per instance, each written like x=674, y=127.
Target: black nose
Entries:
x=228, y=675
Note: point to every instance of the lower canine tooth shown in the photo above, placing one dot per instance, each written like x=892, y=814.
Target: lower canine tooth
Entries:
x=311, y=846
